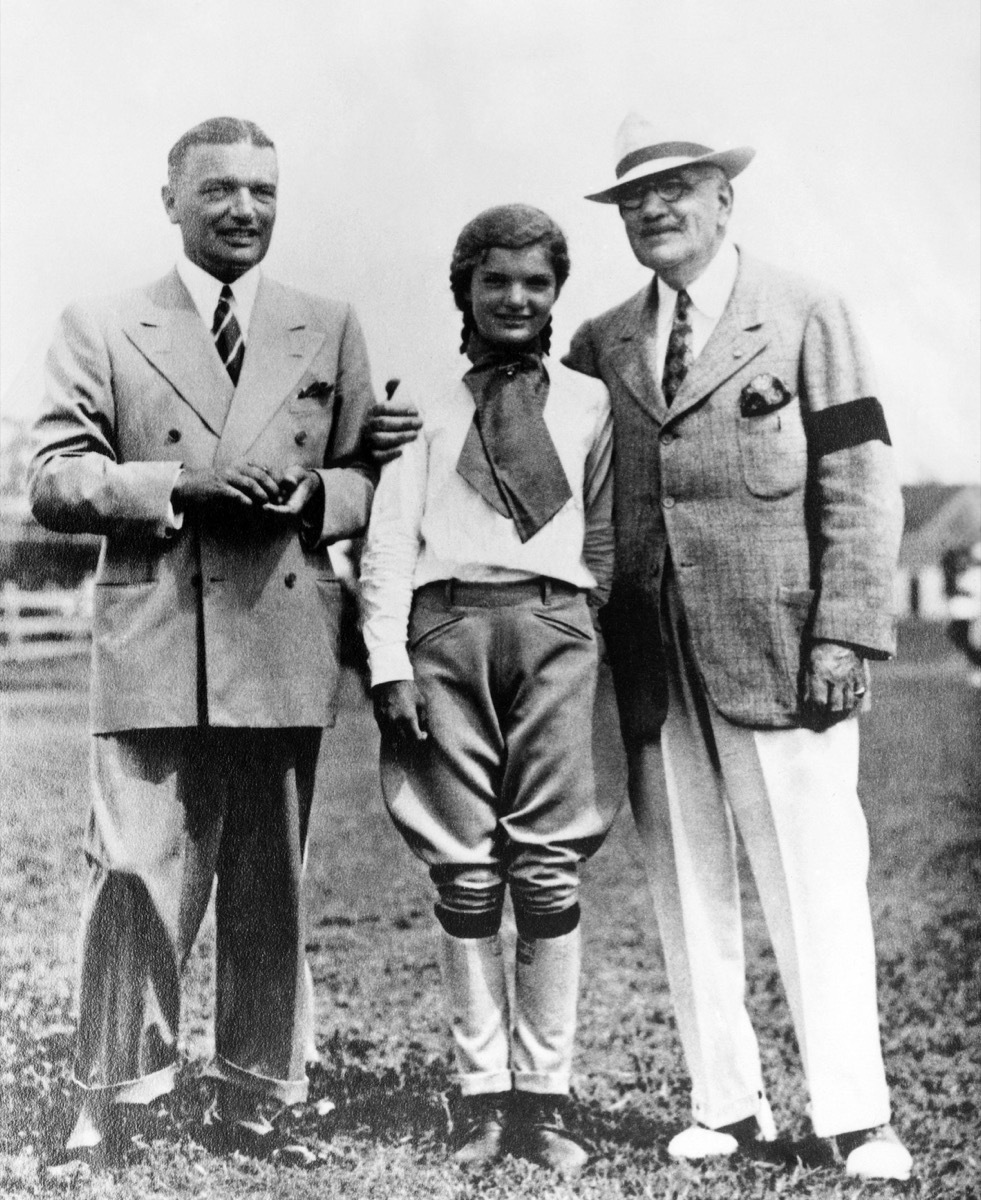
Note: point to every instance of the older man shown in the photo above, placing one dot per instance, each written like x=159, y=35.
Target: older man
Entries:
x=208, y=426
x=758, y=521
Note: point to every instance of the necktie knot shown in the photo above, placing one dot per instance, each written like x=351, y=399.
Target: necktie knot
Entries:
x=508, y=455
x=679, y=357
x=227, y=333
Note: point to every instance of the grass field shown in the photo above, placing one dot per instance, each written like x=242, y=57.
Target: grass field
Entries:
x=386, y=1065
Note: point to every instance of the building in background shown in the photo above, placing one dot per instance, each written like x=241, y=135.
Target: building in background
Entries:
x=943, y=525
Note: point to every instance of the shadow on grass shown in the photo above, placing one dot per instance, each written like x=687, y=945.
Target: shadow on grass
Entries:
x=416, y=1103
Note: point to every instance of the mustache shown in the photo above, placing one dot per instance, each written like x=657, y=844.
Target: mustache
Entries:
x=659, y=227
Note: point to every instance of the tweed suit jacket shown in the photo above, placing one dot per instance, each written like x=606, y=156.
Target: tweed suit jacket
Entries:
x=782, y=527
x=225, y=621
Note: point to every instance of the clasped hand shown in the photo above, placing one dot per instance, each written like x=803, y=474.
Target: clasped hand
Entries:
x=400, y=710
x=834, y=684
x=245, y=486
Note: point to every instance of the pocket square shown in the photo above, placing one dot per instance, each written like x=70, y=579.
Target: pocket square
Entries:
x=763, y=394
x=320, y=390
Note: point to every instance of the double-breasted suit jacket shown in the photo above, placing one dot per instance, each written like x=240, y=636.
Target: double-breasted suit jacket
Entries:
x=223, y=621
x=782, y=526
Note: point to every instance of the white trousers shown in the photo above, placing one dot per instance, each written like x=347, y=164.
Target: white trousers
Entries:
x=791, y=794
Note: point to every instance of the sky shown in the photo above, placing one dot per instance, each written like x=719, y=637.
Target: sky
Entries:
x=396, y=121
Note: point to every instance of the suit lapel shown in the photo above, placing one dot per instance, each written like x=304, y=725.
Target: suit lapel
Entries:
x=280, y=346
x=739, y=337
x=170, y=334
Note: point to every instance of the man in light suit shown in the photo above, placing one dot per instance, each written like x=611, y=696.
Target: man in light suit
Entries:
x=208, y=426
x=757, y=522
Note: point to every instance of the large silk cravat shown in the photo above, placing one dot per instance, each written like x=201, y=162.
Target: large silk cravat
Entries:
x=228, y=335
x=508, y=455
x=679, y=357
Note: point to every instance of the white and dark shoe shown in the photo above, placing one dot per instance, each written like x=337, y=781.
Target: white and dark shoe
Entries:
x=106, y=1134
x=875, y=1153
x=699, y=1142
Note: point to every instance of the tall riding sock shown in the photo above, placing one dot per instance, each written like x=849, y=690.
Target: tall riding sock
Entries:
x=476, y=993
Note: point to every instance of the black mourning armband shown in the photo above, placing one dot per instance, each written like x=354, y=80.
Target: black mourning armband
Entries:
x=846, y=425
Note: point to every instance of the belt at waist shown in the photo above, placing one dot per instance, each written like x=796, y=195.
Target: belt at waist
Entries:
x=496, y=595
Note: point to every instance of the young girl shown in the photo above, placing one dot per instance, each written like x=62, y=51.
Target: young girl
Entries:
x=490, y=538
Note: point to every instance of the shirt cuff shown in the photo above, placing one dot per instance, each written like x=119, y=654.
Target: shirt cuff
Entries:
x=389, y=663
x=172, y=521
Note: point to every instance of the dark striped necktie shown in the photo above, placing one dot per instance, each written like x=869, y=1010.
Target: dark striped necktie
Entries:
x=228, y=335
x=679, y=357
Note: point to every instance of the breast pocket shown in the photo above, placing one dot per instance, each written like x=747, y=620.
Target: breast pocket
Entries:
x=313, y=396
x=773, y=452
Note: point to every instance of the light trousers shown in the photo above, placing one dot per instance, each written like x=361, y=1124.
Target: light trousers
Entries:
x=791, y=794
x=172, y=809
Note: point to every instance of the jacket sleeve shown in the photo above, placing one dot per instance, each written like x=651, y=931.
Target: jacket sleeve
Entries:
x=597, y=549
x=76, y=482
x=348, y=474
x=582, y=355
x=854, y=504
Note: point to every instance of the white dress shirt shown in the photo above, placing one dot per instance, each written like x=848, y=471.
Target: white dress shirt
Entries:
x=428, y=523
x=205, y=291
x=709, y=295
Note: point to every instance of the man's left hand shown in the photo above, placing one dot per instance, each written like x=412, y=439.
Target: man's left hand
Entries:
x=298, y=487
x=834, y=684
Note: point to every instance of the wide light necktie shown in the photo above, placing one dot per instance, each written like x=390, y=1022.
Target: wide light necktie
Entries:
x=679, y=357
x=228, y=334
x=508, y=455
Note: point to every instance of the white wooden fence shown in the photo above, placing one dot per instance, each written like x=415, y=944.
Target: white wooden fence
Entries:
x=50, y=624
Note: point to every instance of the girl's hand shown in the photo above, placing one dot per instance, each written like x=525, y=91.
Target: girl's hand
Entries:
x=400, y=710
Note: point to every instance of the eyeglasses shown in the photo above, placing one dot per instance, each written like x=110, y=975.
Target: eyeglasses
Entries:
x=670, y=189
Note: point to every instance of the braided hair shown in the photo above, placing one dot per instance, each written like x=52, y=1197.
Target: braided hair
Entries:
x=508, y=227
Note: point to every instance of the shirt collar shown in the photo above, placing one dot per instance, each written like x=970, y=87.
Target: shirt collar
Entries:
x=710, y=292
x=205, y=290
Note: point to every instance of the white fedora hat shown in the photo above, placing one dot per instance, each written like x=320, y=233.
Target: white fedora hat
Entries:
x=640, y=153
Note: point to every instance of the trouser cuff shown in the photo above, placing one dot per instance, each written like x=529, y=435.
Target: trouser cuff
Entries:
x=533, y=925
x=143, y=1090
x=714, y=1116
x=468, y=924
x=484, y=1082
x=286, y=1091
x=830, y=1122
x=542, y=1083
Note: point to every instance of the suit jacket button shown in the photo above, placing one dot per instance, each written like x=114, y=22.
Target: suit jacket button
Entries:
x=173, y=435
x=290, y=580
x=667, y=439
x=668, y=501
x=301, y=438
